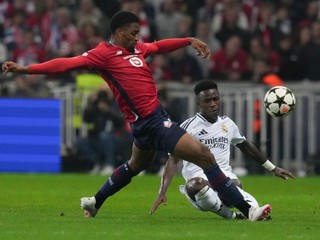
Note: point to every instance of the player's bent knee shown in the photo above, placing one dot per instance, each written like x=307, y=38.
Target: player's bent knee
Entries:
x=194, y=186
x=208, y=200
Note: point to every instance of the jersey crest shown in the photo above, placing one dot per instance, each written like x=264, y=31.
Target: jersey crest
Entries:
x=136, y=62
x=224, y=128
x=167, y=124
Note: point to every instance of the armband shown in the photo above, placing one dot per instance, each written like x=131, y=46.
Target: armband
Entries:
x=269, y=165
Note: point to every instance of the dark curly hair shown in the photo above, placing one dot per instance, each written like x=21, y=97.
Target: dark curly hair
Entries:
x=121, y=19
x=204, y=85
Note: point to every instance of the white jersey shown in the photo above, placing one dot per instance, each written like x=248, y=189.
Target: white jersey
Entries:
x=218, y=137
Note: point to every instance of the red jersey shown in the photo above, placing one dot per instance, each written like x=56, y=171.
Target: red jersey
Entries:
x=128, y=76
x=127, y=73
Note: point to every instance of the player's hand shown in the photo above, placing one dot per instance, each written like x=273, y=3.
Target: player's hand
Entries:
x=160, y=199
x=201, y=48
x=282, y=173
x=13, y=67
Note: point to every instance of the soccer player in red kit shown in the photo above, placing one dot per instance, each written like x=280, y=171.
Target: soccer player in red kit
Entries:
x=121, y=63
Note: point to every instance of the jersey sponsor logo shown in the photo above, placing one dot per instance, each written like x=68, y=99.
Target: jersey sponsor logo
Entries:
x=129, y=56
x=167, y=124
x=202, y=132
x=216, y=142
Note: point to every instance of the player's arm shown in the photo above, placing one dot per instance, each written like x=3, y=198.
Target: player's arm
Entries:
x=57, y=65
x=172, y=44
x=249, y=149
x=169, y=171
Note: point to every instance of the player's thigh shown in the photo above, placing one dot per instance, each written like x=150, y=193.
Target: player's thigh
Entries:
x=140, y=159
x=192, y=150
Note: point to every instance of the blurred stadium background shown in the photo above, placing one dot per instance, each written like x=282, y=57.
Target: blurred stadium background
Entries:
x=255, y=44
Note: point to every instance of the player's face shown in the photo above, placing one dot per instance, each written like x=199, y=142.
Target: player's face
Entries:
x=209, y=103
x=129, y=36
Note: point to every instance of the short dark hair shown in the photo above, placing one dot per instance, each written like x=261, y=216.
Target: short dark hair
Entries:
x=204, y=85
x=121, y=19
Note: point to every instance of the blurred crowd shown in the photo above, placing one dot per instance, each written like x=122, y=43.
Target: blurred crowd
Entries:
x=249, y=39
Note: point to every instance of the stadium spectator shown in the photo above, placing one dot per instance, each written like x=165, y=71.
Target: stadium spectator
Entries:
x=147, y=32
x=229, y=22
x=27, y=7
x=208, y=10
x=257, y=50
x=310, y=15
x=185, y=26
x=169, y=16
x=103, y=121
x=63, y=34
x=251, y=9
x=108, y=8
x=300, y=41
x=288, y=68
x=203, y=33
x=229, y=14
x=4, y=6
x=283, y=24
x=90, y=34
x=303, y=36
x=88, y=12
x=265, y=25
x=184, y=67
x=13, y=33
x=28, y=51
x=4, y=54
x=159, y=68
x=30, y=86
x=47, y=13
x=229, y=62
x=262, y=73
x=309, y=55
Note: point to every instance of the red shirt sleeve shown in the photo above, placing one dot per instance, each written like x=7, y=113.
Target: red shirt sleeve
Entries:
x=167, y=45
x=57, y=65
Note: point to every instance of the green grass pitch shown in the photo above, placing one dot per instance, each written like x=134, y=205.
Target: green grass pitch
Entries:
x=41, y=206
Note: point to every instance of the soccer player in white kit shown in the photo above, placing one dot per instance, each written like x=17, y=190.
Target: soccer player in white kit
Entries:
x=218, y=133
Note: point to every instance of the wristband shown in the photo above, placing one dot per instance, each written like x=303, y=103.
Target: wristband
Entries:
x=269, y=165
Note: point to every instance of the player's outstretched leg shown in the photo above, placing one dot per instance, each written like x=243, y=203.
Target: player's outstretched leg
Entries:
x=191, y=150
x=120, y=178
x=202, y=197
